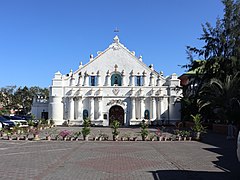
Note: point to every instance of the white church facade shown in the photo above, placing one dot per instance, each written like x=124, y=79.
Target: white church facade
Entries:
x=114, y=85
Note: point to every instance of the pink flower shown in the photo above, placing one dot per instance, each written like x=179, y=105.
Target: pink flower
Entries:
x=64, y=133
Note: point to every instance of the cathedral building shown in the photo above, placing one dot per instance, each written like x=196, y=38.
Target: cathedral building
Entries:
x=114, y=85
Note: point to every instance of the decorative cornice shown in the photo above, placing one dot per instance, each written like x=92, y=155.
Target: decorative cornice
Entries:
x=115, y=101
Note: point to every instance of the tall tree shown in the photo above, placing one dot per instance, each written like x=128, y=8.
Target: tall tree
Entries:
x=219, y=57
x=20, y=98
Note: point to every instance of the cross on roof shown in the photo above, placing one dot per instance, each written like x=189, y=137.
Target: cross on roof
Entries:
x=116, y=30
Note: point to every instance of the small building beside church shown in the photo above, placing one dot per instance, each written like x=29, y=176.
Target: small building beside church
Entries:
x=114, y=85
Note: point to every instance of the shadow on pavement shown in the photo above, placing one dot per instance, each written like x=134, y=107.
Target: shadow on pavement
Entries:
x=226, y=149
x=227, y=162
x=189, y=175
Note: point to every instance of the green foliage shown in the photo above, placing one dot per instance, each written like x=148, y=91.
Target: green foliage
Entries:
x=30, y=123
x=86, y=127
x=3, y=111
x=85, y=131
x=51, y=122
x=198, y=127
x=183, y=133
x=20, y=98
x=115, y=125
x=152, y=136
x=77, y=134
x=144, y=130
x=223, y=97
x=43, y=121
x=213, y=88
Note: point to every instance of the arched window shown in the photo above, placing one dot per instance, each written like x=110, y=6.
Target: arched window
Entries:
x=146, y=114
x=138, y=81
x=93, y=81
x=85, y=114
x=116, y=80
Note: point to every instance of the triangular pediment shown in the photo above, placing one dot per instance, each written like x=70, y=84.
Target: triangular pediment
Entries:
x=116, y=55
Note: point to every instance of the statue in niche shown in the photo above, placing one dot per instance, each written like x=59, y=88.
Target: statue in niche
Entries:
x=115, y=80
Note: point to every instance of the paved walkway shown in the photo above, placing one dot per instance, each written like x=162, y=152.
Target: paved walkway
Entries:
x=213, y=159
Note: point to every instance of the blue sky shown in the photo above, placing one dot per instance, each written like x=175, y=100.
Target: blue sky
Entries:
x=40, y=37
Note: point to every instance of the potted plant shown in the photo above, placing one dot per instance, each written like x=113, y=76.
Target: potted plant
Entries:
x=9, y=134
x=30, y=124
x=135, y=137
x=105, y=136
x=152, y=136
x=49, y=133
x=123, y=138
x=186, y=135
x=173, y=137
x=115, y=125
x=86, y=129
x=64, y=134
x=35, y=133
x=158, y=134
x=51, y=123
x=25, y=133
x=144, y=130
x=126, y=137
x=100, y=136
x=94, y=136
x=76, y=135
x=198, y=128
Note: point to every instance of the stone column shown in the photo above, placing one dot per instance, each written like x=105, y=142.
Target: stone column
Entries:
x=100, y=108
x=91, y=115
x=133, y=108
x=144, y=78
x=79, y=80
x=158, y=81
x=56, y=109
x=159, y=108
x=86, y=79
x=80, y=108
x=72, y=81
x=151, y=82
x=107, y=79
x=132, y=83
x=162, y=107
x=123, y=78
x=154, y=109
x=99, y=83
x=142, y=106
x=71, y=109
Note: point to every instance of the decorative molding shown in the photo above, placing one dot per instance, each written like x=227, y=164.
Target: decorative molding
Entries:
x=115, y=47
x=115, y=101
x=115, y=91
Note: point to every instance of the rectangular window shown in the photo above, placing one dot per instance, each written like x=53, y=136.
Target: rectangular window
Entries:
x=93, y=80
x=138, y=81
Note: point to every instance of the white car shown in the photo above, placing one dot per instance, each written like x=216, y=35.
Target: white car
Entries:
x=238, y=146
x=17, y=121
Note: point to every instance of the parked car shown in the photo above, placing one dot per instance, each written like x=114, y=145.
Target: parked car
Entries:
x=6, y=123
x=17, y=120
x=238, y=146
x=29, y=118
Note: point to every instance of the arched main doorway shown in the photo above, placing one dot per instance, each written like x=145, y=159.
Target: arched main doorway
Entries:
x=116, y=113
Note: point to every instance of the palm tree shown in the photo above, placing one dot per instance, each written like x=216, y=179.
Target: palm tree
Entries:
x=222, y=97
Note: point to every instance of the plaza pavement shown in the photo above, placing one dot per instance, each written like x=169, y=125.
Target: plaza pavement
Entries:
x=214, y=158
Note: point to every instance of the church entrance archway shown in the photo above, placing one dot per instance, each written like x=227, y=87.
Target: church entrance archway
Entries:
x=116, y=113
